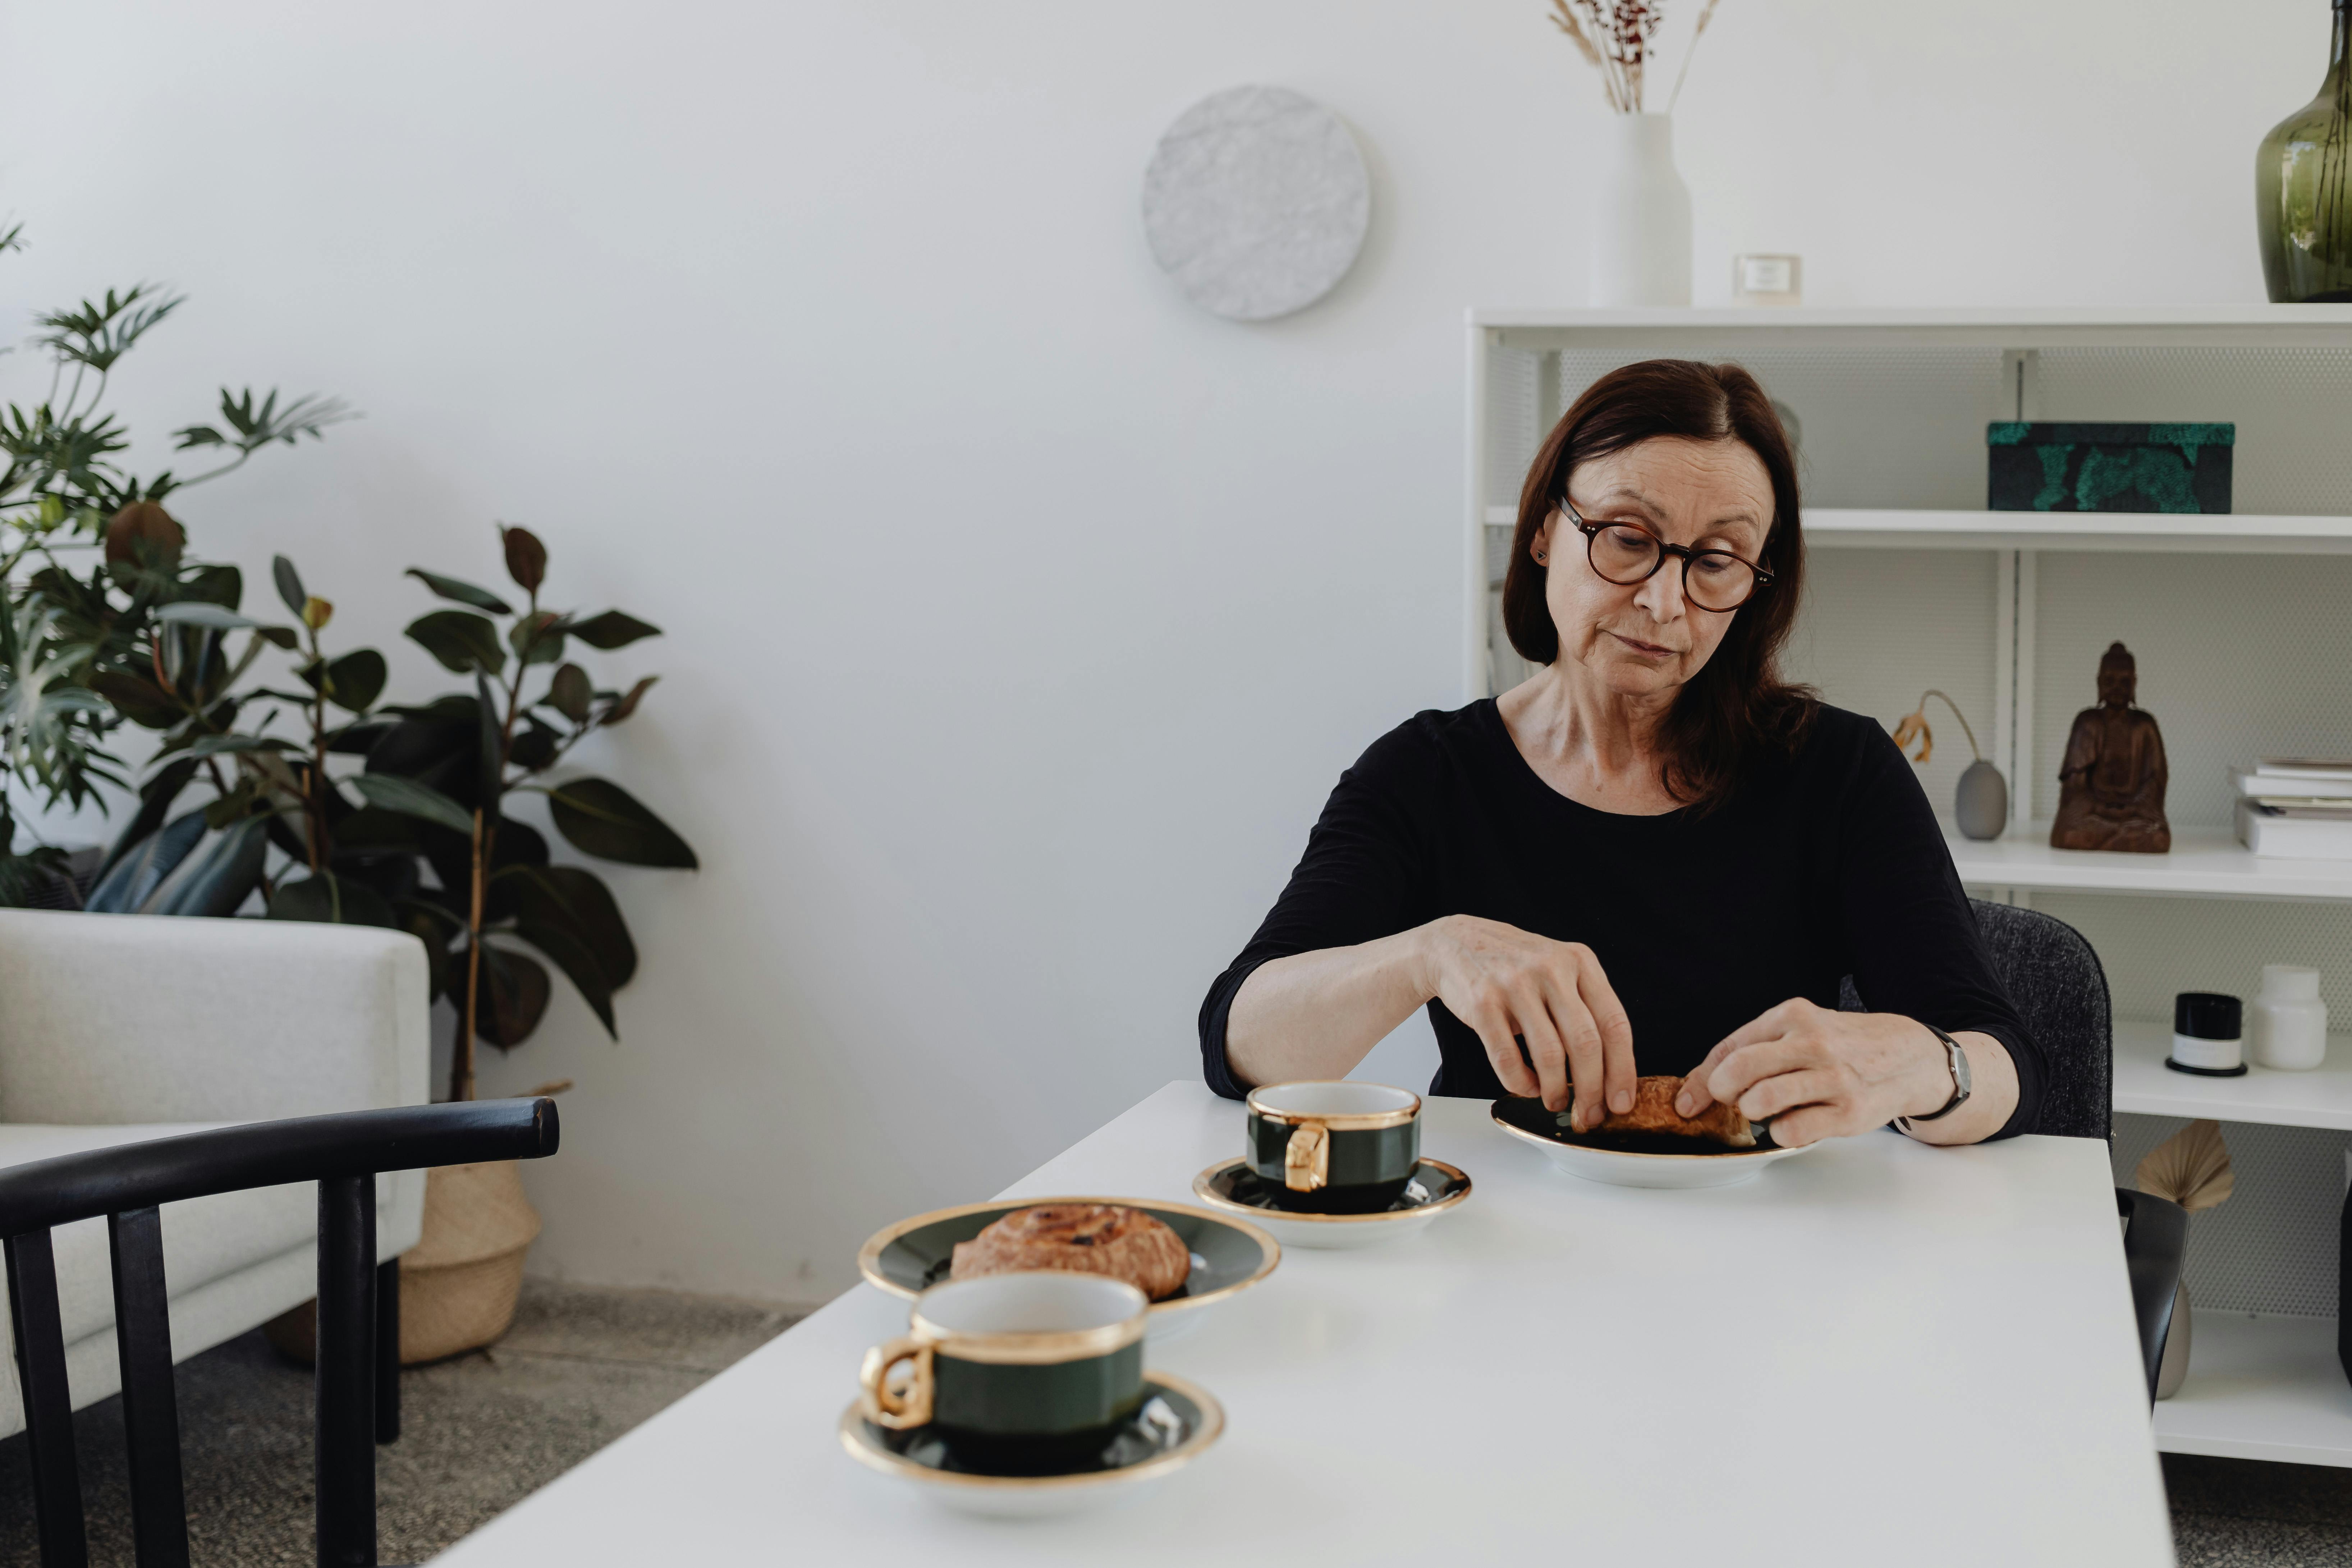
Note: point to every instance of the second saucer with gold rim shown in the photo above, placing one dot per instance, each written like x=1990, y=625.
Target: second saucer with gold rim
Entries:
x=1177, y=1424
x=1231, y=1187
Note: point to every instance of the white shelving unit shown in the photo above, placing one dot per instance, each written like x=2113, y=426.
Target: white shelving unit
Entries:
x=1918, y=586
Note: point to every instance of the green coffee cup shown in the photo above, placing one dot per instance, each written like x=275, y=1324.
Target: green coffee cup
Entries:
x=1031, y=1371
x=1334, y=1147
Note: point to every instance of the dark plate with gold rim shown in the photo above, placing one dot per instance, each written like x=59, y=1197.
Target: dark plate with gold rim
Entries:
x=1635, y=1160
x=1433, y=1188
x=1177, y=1424
x=1229, y=1253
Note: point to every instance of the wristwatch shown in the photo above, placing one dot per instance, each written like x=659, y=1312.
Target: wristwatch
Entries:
x=1960, y=1061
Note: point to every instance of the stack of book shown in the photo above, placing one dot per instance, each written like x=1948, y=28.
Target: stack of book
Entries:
x=2295, y=806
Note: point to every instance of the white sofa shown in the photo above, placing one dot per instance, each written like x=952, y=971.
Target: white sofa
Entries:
x=116, y=1029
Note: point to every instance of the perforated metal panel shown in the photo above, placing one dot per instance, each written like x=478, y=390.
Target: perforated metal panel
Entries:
x=2271, y=1247
x=2153, y=949
x=1515, y=424
x=1880, y=626
x=2289, y=406
x=1882, y=426
x=2240, y=657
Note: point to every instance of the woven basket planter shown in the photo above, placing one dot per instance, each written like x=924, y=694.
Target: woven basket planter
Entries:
x=459, y=1283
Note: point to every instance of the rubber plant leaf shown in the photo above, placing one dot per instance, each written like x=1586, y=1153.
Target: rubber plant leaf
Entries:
x=330, y=899
x=628, y=704
x=141, y=700
x=526, y=557
x=465, y=592
x=409, y=798
x=569, y=693
x=579, y=965
x=613, y=629
x=356, y=680
x=289, y=583
x=576, y=900
x=222, y=877
x=155, y=798
x=516, y=987
x=603, y=820
x=490, y=758
x=460, y=640
x=135, y=876
x=212, y=618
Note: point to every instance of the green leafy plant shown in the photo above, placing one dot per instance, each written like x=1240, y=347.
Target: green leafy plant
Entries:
x=449, y=766
x=68, y=630
x=426, y=846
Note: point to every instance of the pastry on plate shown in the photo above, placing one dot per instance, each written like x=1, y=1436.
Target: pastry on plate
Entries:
x=1084, y=1238
x=1653, y=1111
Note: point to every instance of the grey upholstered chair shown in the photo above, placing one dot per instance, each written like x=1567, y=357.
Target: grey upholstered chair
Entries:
x=2054, y=976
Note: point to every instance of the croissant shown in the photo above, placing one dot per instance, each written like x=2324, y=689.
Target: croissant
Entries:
x=1084, y=1238
x=1653, y=1111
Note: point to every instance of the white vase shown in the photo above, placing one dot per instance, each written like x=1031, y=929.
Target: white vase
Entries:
x=1640, y=218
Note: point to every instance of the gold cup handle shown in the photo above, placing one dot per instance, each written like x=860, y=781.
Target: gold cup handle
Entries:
x=897, y=1408
x=1306, y=1158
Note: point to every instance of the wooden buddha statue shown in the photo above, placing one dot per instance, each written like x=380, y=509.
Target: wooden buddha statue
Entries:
x=2111, y=785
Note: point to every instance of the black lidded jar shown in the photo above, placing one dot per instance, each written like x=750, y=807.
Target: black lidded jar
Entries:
x=2208, y=1035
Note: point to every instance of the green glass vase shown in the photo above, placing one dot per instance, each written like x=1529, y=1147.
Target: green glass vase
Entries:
x=2302, y=189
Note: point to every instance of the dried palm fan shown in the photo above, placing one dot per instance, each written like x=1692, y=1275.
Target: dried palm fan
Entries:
x=2192, y=1168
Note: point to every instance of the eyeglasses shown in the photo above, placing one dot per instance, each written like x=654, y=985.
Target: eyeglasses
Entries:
x=1621, y=553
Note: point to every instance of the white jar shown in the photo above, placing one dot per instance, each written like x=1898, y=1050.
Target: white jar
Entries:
x=2287, y=1025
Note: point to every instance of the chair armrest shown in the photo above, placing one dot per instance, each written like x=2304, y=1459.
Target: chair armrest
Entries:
x=139, y=1018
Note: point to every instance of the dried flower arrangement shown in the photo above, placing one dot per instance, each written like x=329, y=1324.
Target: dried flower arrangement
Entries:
x=1912, y=729
x=1616, y=38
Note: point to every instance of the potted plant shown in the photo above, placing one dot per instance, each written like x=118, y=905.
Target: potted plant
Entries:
x=426, y=846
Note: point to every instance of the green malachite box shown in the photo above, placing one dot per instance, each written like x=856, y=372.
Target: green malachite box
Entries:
x=2110, y=468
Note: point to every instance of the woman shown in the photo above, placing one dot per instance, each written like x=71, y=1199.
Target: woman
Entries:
x=1654, y=855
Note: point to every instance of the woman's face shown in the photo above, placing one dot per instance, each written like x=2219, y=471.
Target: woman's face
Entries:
x=1648, y=638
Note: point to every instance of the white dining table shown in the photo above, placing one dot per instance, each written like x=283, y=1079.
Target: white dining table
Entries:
x=1875, y=1351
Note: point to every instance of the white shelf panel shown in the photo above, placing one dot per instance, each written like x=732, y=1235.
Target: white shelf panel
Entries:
x=1670, y=319
x=2259, y=1388
x=2205, y=862
x=2251, y=326
x=1831, y=528
x=2146, y=1087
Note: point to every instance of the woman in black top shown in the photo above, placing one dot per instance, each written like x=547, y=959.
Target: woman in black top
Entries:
x=1653, y=856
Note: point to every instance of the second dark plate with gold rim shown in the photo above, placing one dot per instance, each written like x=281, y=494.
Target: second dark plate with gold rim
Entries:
x=1229, y=1253
x=1435, y=1188
x=1635, y=1160
x=1179, y=1422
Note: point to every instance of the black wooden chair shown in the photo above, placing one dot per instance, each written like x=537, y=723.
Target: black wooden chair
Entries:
x=359, y=1301
x=2054, y=978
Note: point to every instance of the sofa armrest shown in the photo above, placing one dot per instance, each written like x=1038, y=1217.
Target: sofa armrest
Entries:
x=139, y=1018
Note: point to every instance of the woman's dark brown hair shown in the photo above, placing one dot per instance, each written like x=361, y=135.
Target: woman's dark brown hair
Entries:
x=1738, y=706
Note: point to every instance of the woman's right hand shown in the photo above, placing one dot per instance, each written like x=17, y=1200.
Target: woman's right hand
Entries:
x=1509, y=984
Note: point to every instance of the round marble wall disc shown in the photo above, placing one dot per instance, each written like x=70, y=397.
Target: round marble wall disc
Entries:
x=1256, y=201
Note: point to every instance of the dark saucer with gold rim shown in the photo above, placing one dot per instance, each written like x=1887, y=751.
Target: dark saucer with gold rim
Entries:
x=1177, y=1423
x=1229, y=1253
x=1433, y=1188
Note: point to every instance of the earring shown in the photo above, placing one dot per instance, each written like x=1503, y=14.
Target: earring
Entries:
x=1540, y=557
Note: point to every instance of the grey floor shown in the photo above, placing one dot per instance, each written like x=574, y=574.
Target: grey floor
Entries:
x=580, y=1368
x=583, y=1366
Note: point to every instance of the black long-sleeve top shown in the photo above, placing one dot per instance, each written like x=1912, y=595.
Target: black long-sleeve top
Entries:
x=1823, y=863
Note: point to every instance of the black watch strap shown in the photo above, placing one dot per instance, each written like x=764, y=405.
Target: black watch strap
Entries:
x=1957, y=1059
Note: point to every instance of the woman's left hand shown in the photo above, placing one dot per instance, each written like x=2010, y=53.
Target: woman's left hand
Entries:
x=1817, y=1074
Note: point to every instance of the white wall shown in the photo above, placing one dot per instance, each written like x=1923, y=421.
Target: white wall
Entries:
x=1019, y=614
